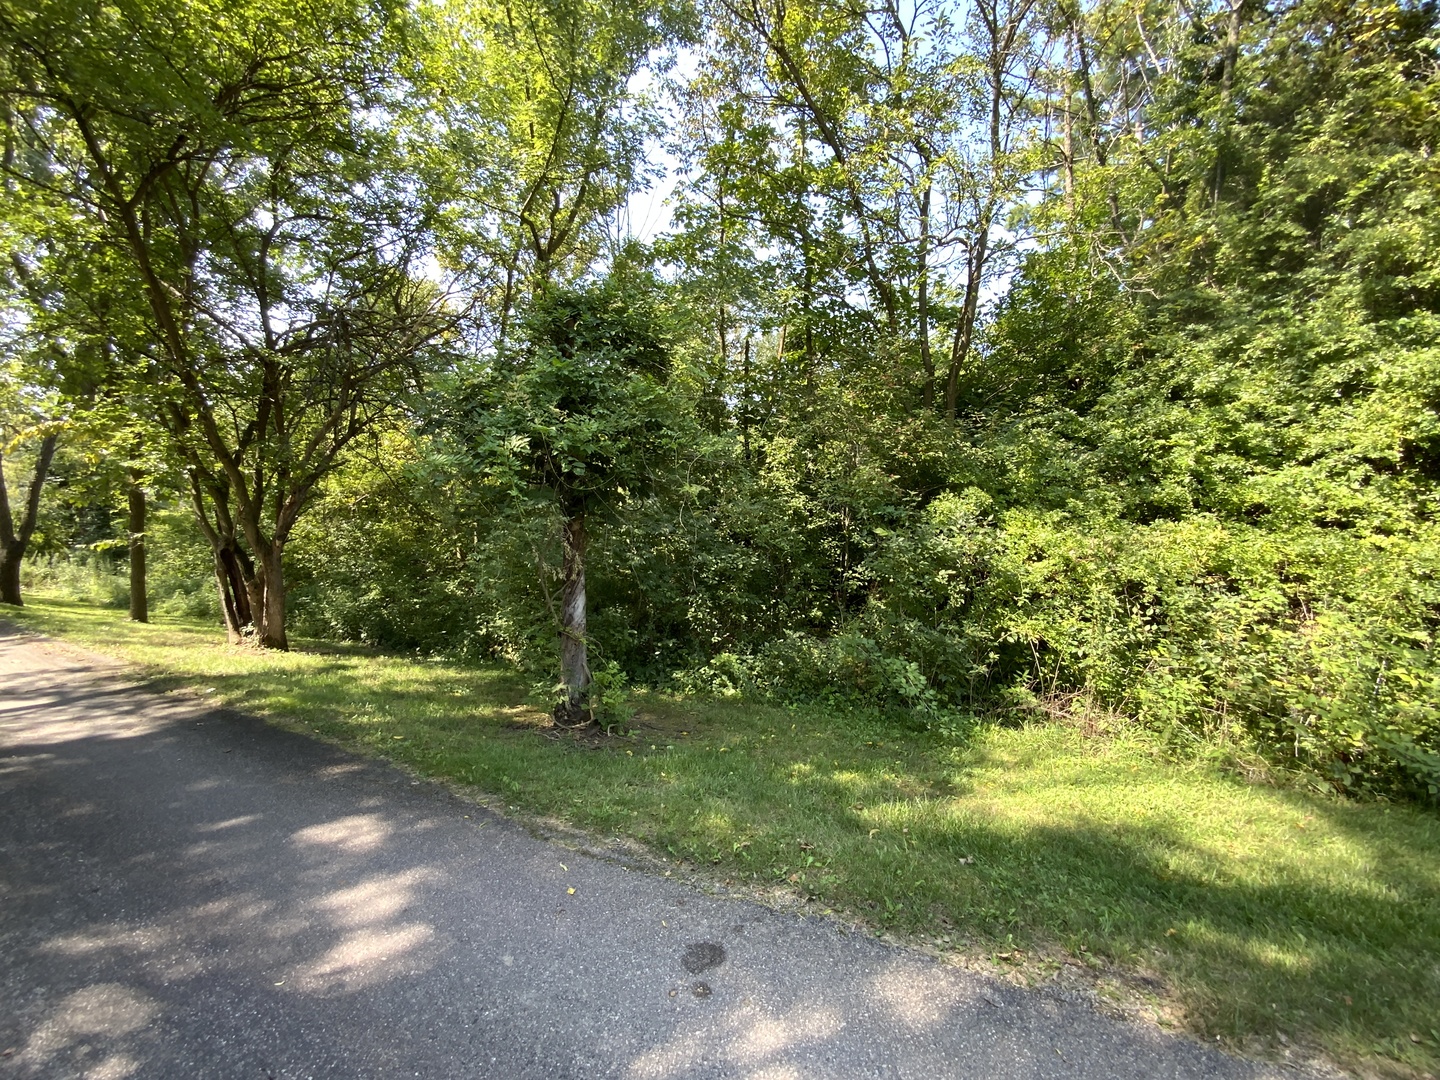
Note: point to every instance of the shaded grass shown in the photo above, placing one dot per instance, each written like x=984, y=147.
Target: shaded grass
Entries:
x=1251, y=913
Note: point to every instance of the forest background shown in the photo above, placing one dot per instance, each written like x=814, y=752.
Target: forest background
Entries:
x=1010, y=358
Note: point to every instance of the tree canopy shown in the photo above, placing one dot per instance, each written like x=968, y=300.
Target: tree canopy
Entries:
x=998, y=356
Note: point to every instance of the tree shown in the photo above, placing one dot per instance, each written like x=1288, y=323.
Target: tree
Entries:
x=577, y=420
x=236, y=155
x=529, y=135
x=883, y=148
x=50, y=345
x=22, y=420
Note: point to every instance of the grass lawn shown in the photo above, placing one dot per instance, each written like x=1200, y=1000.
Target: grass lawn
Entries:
x=1276, y=920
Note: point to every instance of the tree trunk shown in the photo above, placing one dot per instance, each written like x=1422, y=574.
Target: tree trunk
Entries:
x=139, y=602
x=1068, y=151
x=965, y=328
x=744, y=404
x=10, y=577
x=927, y=362
x=574, y=663
x=1227, y=86
x=270, y=583
x=233, y=568
x=231, y=574
x=13, y=540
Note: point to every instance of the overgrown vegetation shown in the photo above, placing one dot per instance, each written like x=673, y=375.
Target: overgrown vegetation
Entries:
x=1239, y=910
x=1002, y=363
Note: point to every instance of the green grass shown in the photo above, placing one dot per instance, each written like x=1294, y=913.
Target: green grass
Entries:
x=1237, y=910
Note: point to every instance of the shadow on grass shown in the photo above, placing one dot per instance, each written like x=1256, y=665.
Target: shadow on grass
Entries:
x=192, y=893
x=1262, y=911
x=1255, y=912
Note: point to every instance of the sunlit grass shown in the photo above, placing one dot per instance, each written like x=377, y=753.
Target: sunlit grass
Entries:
x=1249, y=912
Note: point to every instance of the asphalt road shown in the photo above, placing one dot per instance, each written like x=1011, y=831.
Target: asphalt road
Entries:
x=186, y=893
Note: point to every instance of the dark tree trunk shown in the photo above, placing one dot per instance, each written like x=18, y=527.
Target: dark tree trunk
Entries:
x=744, y=409
x=10, y=579
x=252, y=591
x=927, y=361
x=965, y=328
x=139, y=602
x=574, y=663
x=269, y=584
x=1227, y=86
x=15, y=539
x=232, y=568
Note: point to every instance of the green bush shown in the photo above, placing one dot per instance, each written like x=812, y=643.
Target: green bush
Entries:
x=1315, y=644
x=180, y=567
x=87, y=576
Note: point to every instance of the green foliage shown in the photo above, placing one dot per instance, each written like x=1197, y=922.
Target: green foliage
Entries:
x=85, y=577
x=846, y=670
x=181, y=579
x=1319, y=647
x=380, y=562
x=1187, y=472
x=608, y=702
x=581, y=412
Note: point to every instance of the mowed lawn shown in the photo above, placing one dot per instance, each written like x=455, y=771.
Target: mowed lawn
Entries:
x=1276, y=920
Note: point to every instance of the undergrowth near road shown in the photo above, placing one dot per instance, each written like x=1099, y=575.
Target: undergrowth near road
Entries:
x=1278, y=920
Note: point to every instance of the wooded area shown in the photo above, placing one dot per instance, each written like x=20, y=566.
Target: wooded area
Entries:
x=1015, y=358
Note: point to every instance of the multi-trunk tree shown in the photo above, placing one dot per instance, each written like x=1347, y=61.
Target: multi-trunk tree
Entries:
x=529, y=131
x=237, y=156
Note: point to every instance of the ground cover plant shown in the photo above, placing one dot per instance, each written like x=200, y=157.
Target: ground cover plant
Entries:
x=1275, y=918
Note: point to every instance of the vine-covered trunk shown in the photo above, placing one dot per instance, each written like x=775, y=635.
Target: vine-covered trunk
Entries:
x=574, y=664
x=139, y=602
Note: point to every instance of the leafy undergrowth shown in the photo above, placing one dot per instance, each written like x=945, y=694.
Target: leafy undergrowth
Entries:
x=1279, y=921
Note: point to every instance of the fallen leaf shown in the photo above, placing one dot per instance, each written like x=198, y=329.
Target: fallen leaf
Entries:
x=570, y=891
x=564, y=867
